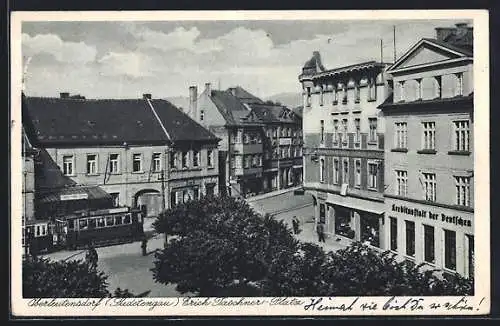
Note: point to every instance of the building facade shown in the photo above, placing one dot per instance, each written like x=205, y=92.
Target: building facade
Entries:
x=260, y=148
x=143, y=152
x=429, y=155
x=28, y=187
x=344, y=147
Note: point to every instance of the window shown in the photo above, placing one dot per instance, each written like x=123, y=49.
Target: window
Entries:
x=83, y=224
x=202, y=115
x=459, y=88
x=210, y=154
x=247, y=161
x=437, y=87
x=255, y=161
x=372, y=175
x=357, y=178
x=275, y=132
x=68, y=162
x=400, y=135
x=401, y=91
x=246, y=138
x=345, y=172
x=196, y=158
x=196, y=193
x=100, y=222
x=429, y=134
x=372, y=90
x=173, y=160
x=401, y=183
x=116, y=198
x=173, y=198
x=210, y=189
x=462, y=135
x=336, y=135
x=429, y=244
x=418, y=91
x=394, y=233
x=322, y=170
x=118, y=220
x=91, y=164
x=136, y=162
x=114, y=163
x=336, y=171
x=373, y=129
x=156, y=162
x=126, y=219
x=462, y=185
x=430, y=186
x=450, y=250
x=184, y=159
x=321, y=95
x=344, y=93
x=308, y=96
x=344, y=130
x=410, y=238
x=356, y=92
x=335, y=95
x=357, y=126
x=110, y=221
x=322, y=123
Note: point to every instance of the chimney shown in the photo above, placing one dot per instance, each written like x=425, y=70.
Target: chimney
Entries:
x=208, y=89
x=146, y=96
x=443, y=32
x=64, y=95
x=193, y=97
x=462, y=29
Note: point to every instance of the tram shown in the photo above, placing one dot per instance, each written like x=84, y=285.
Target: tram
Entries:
x=76, y=231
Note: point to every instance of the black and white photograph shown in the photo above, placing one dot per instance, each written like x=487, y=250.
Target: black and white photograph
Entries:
x=298, y=163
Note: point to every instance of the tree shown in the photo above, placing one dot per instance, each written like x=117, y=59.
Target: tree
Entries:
x=223, y=247
x=43, y=278
x=221, y=243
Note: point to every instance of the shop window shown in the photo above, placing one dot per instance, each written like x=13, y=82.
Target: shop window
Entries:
x=470, y=255
x=370, y=233
x=343, y=219
x=410, y=238
x=450, y=250
x=210, y=189
x=394, y=233
x=429, y=255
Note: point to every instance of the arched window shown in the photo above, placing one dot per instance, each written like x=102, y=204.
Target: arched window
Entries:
x=449, y=85
x=411, y=90
x=429, y=86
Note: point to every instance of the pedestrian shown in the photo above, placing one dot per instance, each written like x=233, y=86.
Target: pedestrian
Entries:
x=92, y=257
x=320, y=229
x=295, y=224
x=144, y=246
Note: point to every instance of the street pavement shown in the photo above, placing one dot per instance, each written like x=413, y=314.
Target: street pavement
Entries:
x=128, y=269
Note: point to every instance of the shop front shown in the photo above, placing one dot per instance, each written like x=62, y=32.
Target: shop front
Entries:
x=441, y=237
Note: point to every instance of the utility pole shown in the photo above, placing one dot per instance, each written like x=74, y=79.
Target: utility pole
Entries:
x=381, y=51
x=394, y=40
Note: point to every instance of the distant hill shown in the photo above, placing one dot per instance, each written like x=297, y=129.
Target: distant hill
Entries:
x=179, y=101
x=290, y=100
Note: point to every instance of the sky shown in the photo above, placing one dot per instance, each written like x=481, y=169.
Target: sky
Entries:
x=126, y=59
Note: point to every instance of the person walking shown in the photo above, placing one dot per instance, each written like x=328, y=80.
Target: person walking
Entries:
x=92, y=257
x=295, y=224
x=144, y=246
x=320, y=229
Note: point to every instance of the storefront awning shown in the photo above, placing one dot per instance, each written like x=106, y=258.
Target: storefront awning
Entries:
x=373, y=207
x=71, y=193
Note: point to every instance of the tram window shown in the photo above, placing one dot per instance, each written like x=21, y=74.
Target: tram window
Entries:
x=38, y=230
x=92, y=223
x=100, y=222
x=44, y=230
x=126, y=219
x=83, y=224
x=71, y=224
x=110, y=221
x=118, y=220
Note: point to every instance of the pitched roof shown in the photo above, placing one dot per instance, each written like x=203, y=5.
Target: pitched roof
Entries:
x=231, y=108
x=465, y=49
x=53, y=121
x=273, y=113
x=243, y=95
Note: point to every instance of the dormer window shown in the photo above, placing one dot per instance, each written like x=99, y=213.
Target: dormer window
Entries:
x=202, y=115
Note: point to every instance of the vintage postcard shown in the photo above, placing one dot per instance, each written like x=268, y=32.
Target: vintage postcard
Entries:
x=271, y=163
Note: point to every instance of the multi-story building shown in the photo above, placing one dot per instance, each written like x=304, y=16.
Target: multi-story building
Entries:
x=28, y=186
x=429, y=156
x=261, y=147
x=344, y=147
x=143, y=152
